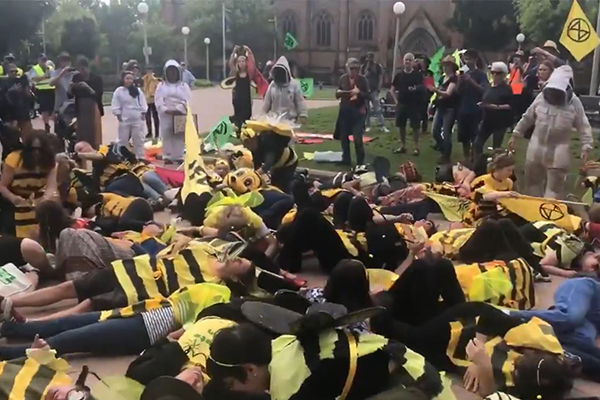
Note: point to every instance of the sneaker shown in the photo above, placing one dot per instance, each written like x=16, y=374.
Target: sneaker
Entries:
x=542, y=278
x=416, y=152
x=384, y=129
x=399, y=150
x=367, y=130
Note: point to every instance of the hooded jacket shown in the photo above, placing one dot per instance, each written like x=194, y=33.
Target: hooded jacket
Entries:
x=172, y=96
x=553, y=124
x=126, y=106
x=286, y=100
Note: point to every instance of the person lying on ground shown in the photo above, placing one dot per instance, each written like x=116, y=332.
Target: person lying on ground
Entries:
x=27, y=255
x=129, y=330
x=115, y=213
x=494, y=351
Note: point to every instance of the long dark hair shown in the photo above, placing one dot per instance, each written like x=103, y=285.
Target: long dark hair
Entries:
x=53, y=219
x=46, y=157
x=348, y=285
x=541, y=375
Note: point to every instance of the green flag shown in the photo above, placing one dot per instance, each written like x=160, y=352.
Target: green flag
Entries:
x=290, y=41
x=435, y=61
x=221, y=133
x=308, y=87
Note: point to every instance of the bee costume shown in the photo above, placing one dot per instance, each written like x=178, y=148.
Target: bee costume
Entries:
x=315, y=357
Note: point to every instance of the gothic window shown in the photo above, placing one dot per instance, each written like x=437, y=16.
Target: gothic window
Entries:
x=288, y=24
x=366, y=27
x=323, y=24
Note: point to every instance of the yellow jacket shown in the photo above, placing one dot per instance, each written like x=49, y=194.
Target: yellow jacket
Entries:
x=150, y=84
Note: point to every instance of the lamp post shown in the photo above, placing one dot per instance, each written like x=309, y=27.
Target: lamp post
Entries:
x=143, y=10
x=399, y=9
x=207, y=43
x=185, y=31
x=520, y=40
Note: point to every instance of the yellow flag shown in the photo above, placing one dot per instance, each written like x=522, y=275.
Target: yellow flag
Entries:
x=453, y=208
x=534, y=209
x=195, y=171
x=578, y=35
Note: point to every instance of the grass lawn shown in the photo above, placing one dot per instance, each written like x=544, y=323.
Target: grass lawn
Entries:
x=322, y=120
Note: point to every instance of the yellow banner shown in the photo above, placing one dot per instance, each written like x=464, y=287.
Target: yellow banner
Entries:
x=195, y=170
x=578, y=35
x=534, y=209
x=453, y=208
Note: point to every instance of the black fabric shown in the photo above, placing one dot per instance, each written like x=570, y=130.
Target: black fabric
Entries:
x=163, y=358
x=417, y=292
x=451, y=101
x=499, y=95
x=282, y=177
x=152, y=114
x=194, y=207
x=45, y=99
x=10, y=251
x=470, y=96
x=274, y=207
x=498, y=240
x=7, y=217
x=269, y=150
x=242, y=101
x=409, y=112
x=468, y=125
x=418, y=209
x=102, y=288
x=95, y=82
x=409, y=87
x=346, y=85
x=373, y=72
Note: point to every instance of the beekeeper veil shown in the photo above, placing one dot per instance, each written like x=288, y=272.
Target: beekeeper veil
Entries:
x=558, y=90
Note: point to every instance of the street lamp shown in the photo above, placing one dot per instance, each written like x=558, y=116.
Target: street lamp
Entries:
x=520, y=40
x=186, y=31
x=207, y=43
x=399, y=9
x=143, y=10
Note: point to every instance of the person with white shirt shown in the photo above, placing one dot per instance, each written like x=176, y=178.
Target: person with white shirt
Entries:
x=129, y=106
x=188, y=77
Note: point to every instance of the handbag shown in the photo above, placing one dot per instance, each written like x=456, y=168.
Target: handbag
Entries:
x=12, y=280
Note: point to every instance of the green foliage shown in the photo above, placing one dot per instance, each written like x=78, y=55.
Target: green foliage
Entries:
x=80, y=37
x=486, y=25
x=248, y=23
x=67, y=10
x=203, y=83
x=163, y=40
x=20, y=22
x=116, y=21
x=542, y=20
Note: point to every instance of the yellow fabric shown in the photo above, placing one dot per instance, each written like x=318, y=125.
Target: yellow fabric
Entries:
x=449, y=243
x=453, y=208
x=110, y=170
x=19, y=72
x=490, y=286
x=196, y=340
x=114, y=205
x=518, y=272
x=353, y=364
x=578, y=35
x=288, y=157
x=353, y=241
x=534, y=209
x=212, y=217
x=487, y=183
x=244, y=180
x=566, y=246
x=281, y=128
x=414, y=234
x=196, y=180
x=535, y=334
x=45, y=84
x=150, y=85
x=33, y=375
x=290, y=216
x=381, y=279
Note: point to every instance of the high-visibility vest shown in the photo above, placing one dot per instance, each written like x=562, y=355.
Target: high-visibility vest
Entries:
x=515, y=80
x=19, y=71
x=45, y=84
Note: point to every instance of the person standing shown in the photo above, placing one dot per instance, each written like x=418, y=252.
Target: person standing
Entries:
x=471, y=85
x=171, y=99
x=446, y=103
x=516, y=80
x=408, y=93
x=9, y=59
x=40, y=76
x=150, y=83
x=554, y=113
x=18, y=100
x=422, y=65
x=284, y=95
x=61, y=79
x=87, y=88
x=373, y=71
x=496, y=107
x=353, y=92
x=129, y=106
x=188, y=78
x=241, y=94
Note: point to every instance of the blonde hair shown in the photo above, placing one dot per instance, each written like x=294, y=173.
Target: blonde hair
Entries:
x=233, y=218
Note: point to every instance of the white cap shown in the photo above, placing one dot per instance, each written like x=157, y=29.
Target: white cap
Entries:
x=499, y=66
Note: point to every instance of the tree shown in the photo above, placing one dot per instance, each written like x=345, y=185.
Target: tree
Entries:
x=161, y=38
x=248, y=22
x=20, y=21
x=542, y=20
x=67, y=10
x=80, y=36
x=116, y=23
x=485, y=25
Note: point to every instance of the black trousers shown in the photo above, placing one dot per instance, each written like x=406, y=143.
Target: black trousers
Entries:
x=419, y=209
x=152, y=114
x=282, y=177
x=137, y=215
x=415, y=296
x=498, y=240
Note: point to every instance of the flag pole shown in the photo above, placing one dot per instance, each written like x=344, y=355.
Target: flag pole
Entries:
x=224, y=42
x=596, y=62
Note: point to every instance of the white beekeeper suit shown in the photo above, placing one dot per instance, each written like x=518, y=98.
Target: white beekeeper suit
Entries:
x=171, y=98
x=547, y=161
x=131, y=112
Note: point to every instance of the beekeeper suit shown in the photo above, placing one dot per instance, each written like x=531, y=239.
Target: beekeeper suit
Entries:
x=171, y=98
x=284, y=95
x=129, y=106
x=554, y=114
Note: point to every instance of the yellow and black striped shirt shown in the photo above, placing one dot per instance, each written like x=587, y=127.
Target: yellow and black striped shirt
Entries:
x=105, y=171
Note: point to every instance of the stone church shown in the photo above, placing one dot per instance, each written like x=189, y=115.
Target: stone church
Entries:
x=330, y=31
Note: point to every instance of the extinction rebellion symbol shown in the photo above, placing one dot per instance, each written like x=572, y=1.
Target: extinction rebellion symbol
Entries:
x=579, y=30
x=551, y=212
